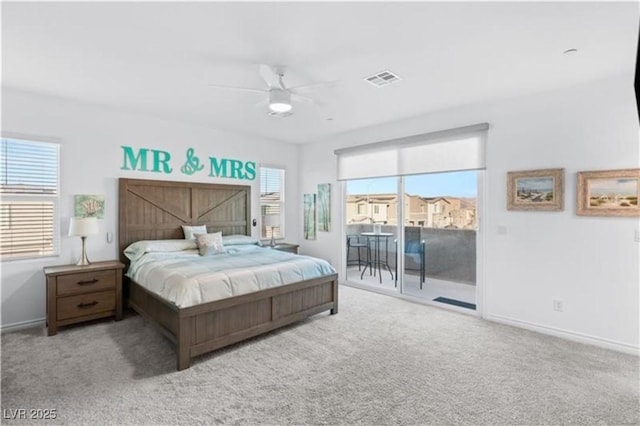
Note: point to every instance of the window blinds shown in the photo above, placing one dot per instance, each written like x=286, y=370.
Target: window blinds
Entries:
x=448, y=150
x=272, y=201
x=29, y=189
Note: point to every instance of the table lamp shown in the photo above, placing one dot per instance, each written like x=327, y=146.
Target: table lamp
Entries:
x=83, y=227
x=271, y=221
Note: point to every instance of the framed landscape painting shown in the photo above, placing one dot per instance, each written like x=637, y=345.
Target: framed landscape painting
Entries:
x=536, y=190
x=609, y=193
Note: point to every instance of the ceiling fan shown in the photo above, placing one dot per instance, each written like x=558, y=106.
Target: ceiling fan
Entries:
x=280, y=96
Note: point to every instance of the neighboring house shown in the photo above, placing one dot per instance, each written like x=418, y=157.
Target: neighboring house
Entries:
x=428, y=212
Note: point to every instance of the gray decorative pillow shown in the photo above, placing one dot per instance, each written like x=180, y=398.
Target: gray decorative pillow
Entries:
x=210, y=244
x=189, y=231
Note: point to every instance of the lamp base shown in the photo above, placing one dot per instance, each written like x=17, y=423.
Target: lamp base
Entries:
x=273, y=240
x=84, y=260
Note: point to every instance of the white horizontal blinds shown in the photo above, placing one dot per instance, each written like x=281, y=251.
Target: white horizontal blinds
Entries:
x=448, y=150
x=272, y=202
x=28, y=167
x=29, y=188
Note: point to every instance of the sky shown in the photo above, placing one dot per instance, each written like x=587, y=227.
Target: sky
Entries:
x=455, y=184
x=613, y=186
x=537, y=184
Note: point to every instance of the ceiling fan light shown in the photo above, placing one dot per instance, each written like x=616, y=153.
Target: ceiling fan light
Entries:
x=279, y=100
x=280, y=107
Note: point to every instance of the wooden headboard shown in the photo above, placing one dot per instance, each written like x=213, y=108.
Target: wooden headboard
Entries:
x=155, y=210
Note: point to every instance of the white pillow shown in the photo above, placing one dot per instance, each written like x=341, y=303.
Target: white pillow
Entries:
x=135, y=250
x=190, y=231
x=210, y=244
x=238, y=239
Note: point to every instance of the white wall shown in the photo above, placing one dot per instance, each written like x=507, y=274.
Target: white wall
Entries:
x=590, y=263
x=90, y=159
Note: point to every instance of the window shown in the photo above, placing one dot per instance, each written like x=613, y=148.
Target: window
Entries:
x=272, y=202
x=361, y=209
x=28, y=209
x=376, y=209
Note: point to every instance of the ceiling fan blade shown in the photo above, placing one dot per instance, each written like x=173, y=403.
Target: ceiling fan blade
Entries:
x=300, y=98
x=242, y=89
x=269, y=75
x=312, y=86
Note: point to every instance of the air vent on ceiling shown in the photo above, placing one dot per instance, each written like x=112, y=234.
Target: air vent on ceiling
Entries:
x=383, y=78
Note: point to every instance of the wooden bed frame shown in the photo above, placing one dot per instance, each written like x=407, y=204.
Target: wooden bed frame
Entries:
x=154, y=210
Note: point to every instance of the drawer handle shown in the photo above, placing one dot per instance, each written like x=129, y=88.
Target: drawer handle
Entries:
x=93, y=281
x=87, y=305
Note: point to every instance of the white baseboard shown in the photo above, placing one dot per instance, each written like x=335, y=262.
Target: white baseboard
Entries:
x=22, y=325
x=569, y=335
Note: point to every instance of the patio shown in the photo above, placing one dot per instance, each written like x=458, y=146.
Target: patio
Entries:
x=449, y=263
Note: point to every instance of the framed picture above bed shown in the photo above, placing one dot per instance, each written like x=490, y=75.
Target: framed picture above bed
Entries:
x=536, y=190
x=609, y=193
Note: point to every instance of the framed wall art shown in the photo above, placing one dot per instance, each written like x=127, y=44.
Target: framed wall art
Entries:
x=609, y=193
x=324, y=207
x=536, y=190
x=88, y=205
x=309, y=216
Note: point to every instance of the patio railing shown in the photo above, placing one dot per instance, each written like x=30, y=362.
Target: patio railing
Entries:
x=450, y=254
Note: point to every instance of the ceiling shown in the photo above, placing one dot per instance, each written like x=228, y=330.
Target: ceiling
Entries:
x=159, y=58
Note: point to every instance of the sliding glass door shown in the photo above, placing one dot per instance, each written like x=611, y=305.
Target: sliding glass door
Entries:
x=428, y=209
x=440, y=223
x=414, y=234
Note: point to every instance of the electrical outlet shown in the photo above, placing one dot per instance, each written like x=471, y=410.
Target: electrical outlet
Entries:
x=502, y=230
x=636, y=238
x=557, y=305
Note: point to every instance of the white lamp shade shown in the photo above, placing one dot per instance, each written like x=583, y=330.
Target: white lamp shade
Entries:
x=271, y=220
x=83, y=226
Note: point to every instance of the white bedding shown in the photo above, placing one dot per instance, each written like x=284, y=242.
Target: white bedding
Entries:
x=186, y=279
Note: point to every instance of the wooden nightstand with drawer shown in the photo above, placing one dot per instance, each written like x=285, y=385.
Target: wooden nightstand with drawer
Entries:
x=82, y=293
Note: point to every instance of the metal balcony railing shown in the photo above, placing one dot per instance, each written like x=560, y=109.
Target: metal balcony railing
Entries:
x=450, y=254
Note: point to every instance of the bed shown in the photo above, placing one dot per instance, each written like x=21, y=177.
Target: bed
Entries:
x=156, y=210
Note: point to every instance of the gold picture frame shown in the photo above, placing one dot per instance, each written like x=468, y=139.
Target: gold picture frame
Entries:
x=536, y=190
x=609, y=193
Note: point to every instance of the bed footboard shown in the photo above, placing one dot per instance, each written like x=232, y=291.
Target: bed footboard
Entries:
x=200, y=329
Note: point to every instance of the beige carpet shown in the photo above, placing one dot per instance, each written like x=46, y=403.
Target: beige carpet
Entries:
x=381, y=360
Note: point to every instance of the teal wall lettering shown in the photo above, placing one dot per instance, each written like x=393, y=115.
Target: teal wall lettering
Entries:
x=131, y=160
x=236, y=169
x=250, y=170
x=192, y=164
x=139, y=161
x=158, y=161
x=218, y=169
x=161, y=158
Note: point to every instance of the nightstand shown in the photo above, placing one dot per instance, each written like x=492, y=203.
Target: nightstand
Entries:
x=82, y=293
x=289, y=248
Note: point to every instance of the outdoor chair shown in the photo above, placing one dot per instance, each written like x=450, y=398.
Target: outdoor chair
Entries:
x=416, y=250
x=358, y=243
